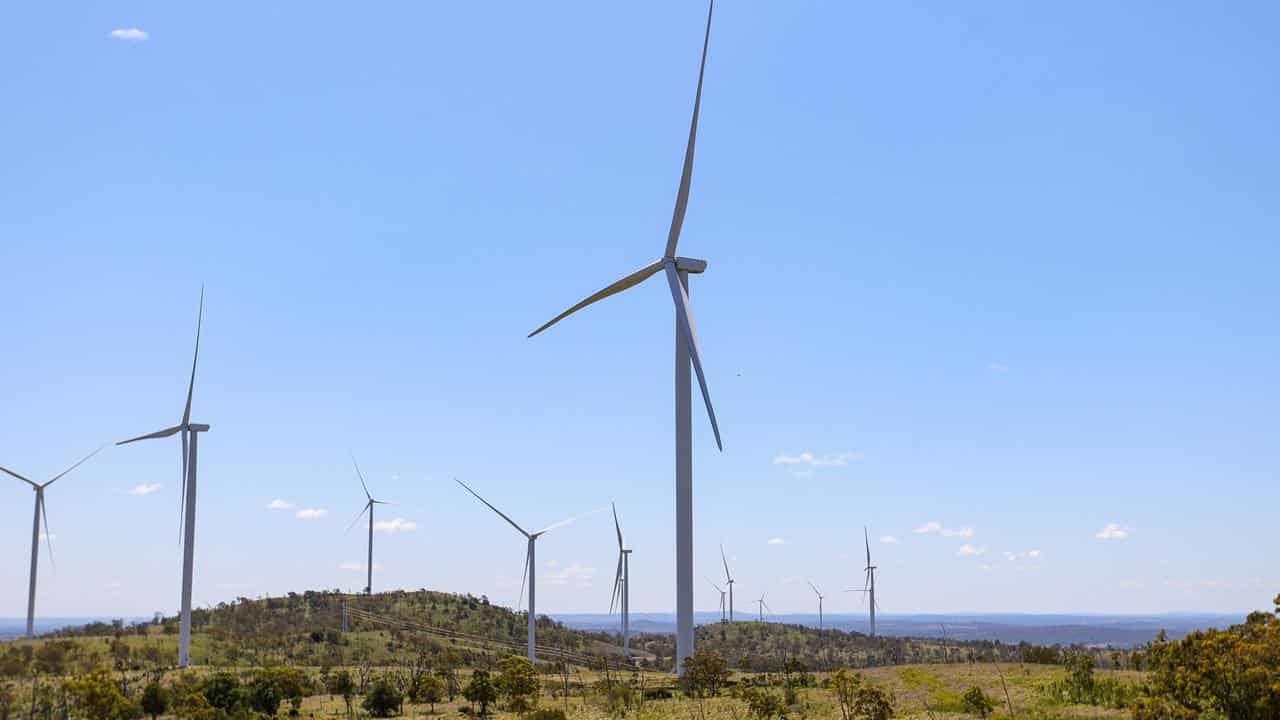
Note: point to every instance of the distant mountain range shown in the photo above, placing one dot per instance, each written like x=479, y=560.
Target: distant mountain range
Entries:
x=1101, y=630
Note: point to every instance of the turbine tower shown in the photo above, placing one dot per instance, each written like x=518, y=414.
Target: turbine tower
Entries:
x=368, y=507
x=186, y=521
x=40, y=513
x=728, y=580
x=815, y=592
x=529, y=560
x=762, y=606
x=622, y=586
x=677, y=270
x=722, y=594
x=870, y=583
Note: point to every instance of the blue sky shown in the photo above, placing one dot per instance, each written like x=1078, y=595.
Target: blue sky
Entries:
x=1005, y=268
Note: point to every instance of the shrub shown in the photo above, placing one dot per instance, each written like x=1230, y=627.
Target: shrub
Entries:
x=480, y=691
x=763, y=704
x=98, y=697
x=704, y=674
x=518, y=683
x=155, y=700
x=383, y=699
x=976, y=702
x=546, y=714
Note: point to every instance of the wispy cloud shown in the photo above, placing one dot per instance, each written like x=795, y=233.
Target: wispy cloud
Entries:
x=840, y=459
x=777, y=541
x=998, y=367
x=1112, y=531
x=279, y=505
x=394, y=526
x=130, y=34
x=575, y=574
x=888, y=539
x=937, y=527
x=967, y=550
x=144, y=489
x=353, y=566
x=1028, y=555
x=311, y=513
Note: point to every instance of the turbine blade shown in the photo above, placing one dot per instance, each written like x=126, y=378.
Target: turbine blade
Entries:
x=727, y=576
x=73, y=467
x=717, y=587
x=182, y=499
x=867, y=538
x=353, y=522
x=186, y=412
x=629, y=281
x=681, y=299
x=815, y=589
x=566, y=521
x=16, y=475
x=616, y=526
x=48, y=538
x=524, y=577
x=491, y=507
x=686, y=173
x=151, y=436
x=361, y=476
x=617, y=584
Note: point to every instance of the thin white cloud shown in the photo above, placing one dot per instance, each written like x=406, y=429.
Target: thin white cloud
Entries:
x=840, y=459
x=997, y=367
x=777, y=541
x=356, y=566
x=394, y=526
x=311, y=513
x=575, y=574
x=964, y=532
x=144, y=489
x=130, y=34
x=967, y=550
x=929, y=527
x=279, y=505
x=888, y=539
x=1028, y=555
x=1112, y=531
x=934, y=526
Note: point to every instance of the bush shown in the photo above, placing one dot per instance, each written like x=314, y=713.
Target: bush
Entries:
x=98, y=697
x=546, y=714
x=480, y=691
x=222, y=690
x=383, y=699
x=155, y=700
x=976, y=702
x=763, y=704
x=518, y=683
x=704, y=674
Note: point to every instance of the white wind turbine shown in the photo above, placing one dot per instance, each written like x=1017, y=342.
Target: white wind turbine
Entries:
x=368, y=507
x=762, y=606
x=40, y=513
x=622, y=586
x=728, y=581
x=869, y=584
x=722, y=595
x=677, y=270
x=819, y=594
x=187, y=521
x=529, y=560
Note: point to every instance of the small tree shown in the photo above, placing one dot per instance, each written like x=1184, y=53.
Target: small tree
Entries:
x=263, y=694
x=222, y=690
x=763, y=704
x=873, y=703
x=480, y=691
x=155, y=700
x=429, y=690
x=704, y=674
x=845, y=685
x=518, y=683
x=976, y=702
x=383, y=699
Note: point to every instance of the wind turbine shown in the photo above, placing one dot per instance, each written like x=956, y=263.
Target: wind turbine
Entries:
x=762, y=607
x=722, y=594
x=35, y=534
x=677, y=270
x=622, y=586
x=368, y=507
x=728, y=580
x=186, y=521
x=815, y=592
x=529, y=560
x=869, y=585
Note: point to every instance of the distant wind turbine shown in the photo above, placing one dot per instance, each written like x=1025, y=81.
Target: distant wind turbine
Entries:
x=368, y=507
x=622, y=586
x=677, y=270
x=529, y=560
x=815, y=592
x=722, y=594
x=187, y=520
x=728, y=580
x=762, y=607
x=40, y=513
x=869, y=586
